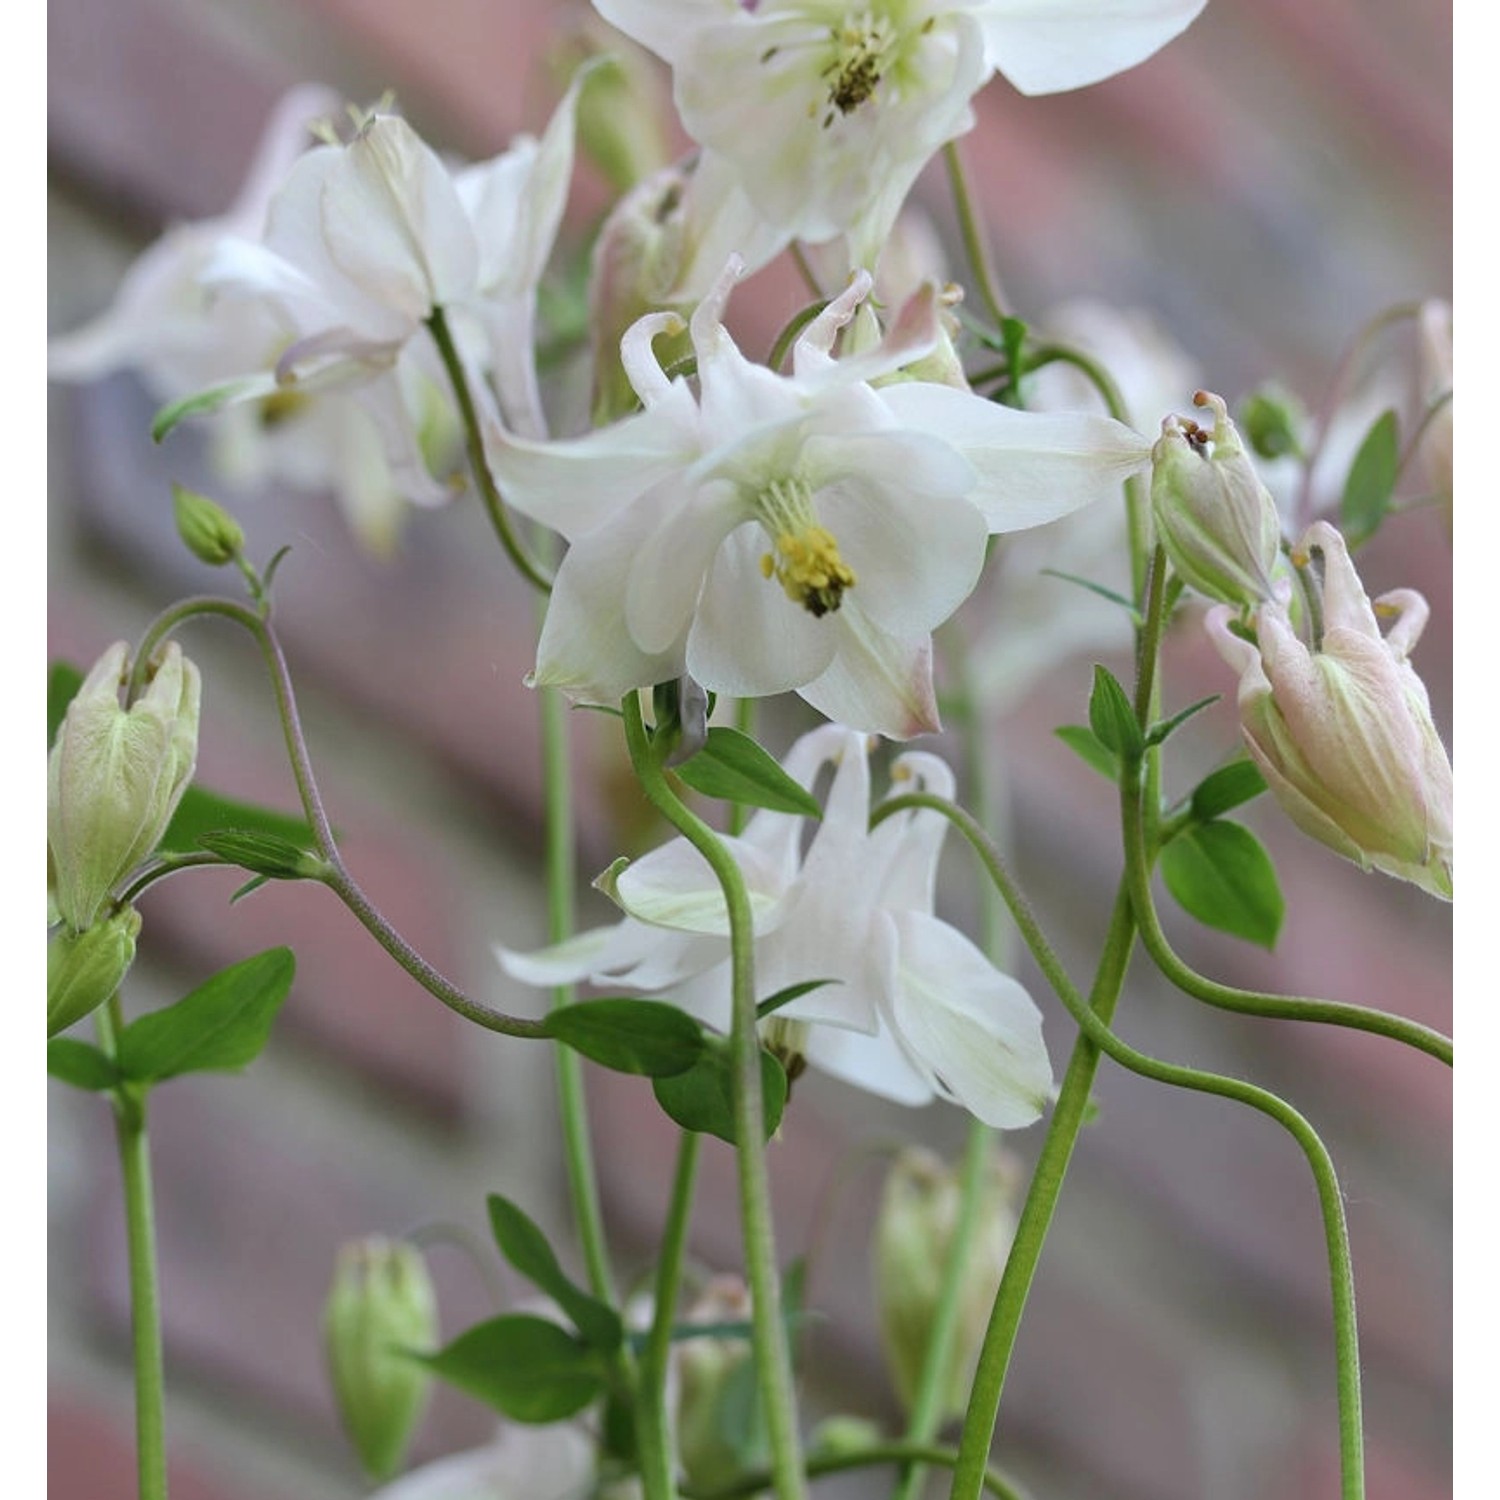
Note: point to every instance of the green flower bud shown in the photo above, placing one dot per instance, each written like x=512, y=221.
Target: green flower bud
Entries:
x=1274, y=421
x=845, y=1434
x=85, y=968
x=380, y=1305
x=913, y=1236
x=1215, y=518
x=115, y=777
x=719, y=1433
x=207, y=530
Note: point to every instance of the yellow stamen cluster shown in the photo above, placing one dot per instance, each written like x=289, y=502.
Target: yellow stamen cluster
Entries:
x=281, y=406
x=809, y=569
x=861, y=44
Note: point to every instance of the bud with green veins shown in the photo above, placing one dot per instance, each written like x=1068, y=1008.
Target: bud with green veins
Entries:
x=381, y=1305
x=85, y=968
x=914, y=1234
x=116, y=775
x=207, y=530
x=1274, y=421
x=1215, y=518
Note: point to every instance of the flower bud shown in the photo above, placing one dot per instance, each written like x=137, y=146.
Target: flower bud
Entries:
x=1275, y=422
x=116, y=775
x=207, y=530
x=913, y=1237
x=85, y=968
x=718, y=1434
x=1342, y=730
x=1215, y=518
x=381, y=1304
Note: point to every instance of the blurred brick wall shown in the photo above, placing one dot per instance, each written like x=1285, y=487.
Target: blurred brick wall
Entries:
x=1265, y=185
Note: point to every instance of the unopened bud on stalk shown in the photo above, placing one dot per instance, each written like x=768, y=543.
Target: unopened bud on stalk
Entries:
x=116, y=775
x=85, y=968
x=1341, y=729
x=207, y=530
x=1274, y=421
x=381, y=1305
x=913, y=1237
x=1215, y=518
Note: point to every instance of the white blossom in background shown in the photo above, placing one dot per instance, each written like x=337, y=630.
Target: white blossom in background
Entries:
x=551, y=1462
x=827, y=110
x=777, y=533
x=916, y=1010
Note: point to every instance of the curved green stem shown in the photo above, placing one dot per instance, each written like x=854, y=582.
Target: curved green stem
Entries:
x=168, y=864
x=819, y=1464
x=773, y=1356
x=787, y=336
x=145, y=1293
x=479, y=466
x=973, y=237
x=337, y=879
x=651, y=1400
x=1096, y=1029
x=1252, y=1002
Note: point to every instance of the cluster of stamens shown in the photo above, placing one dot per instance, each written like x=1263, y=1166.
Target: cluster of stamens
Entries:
x=805, y=560
x=861, y=44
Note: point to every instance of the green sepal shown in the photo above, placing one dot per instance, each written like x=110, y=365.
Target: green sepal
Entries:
x=645, y=1037
x=1372, y=481
x=1111, y=717
x=81, y=1064
x=734, y=768
x=702, y=1098
x=264, y=854
x=1220, y=873
x=529, y=1368
x=220, y=1027
x=1163, y=727
x=524, y=1245
x=63, y=682
x=206, y=401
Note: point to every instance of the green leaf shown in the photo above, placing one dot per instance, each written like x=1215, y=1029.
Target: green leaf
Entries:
x=1096, y=588
x=1372, y=481
x=1111, y=717
x=733, y=767
x=1085, y=744
x=63, y=682
x=1221, y=874
x=202, y=811
x=644, y=1037
x=79, y=1063
x=524, y=1245
x=702, y=1099
x=529, y=1368
x=773, y=1003
x=219, y=1028
x=1163, y=727
x=1227, y=788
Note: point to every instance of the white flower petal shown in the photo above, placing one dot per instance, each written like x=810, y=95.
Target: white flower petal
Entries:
x=675, y=887
x=1033, y=466
x=975, y=1031
x=911, y=876
x=662, y=25
x=1044, y=46
x=383, y=400
x=876, y=681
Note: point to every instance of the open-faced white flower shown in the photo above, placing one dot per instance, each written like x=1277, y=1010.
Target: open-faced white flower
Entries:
x=914, y=1010
x=804, y=532
x=828, y=109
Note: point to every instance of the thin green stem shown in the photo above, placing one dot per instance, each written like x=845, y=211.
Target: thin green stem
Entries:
x=787, y=336
x=973, y=237
x=804, y=268
x=479, y=466
x=337, y=879
x=167, y=864
x=1096, y=1029
x=145, y=1293
x=772, y=1352
x=1252, y=1002
x=819, y=1464
x=651, y=1396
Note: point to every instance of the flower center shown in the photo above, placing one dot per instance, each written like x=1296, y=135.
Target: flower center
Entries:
x=805, y=560
x=786, y=1041
x=861, y=45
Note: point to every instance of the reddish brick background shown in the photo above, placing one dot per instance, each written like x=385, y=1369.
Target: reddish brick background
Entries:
x=1265, y=185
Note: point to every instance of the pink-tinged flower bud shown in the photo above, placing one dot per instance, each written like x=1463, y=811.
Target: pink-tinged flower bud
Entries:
x=1215, y=518
x=381, y=1306
x=115, y=777
x=1342, y=731
x=913, y=1237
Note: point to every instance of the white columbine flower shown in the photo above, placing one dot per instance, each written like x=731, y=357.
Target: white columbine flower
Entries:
x=551, y=1462
x=916, y=1010
x=801, y=532
x=828, y=109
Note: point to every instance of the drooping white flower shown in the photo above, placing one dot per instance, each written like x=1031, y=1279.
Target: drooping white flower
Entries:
x=828, y=109
x=915, y=1009
x=803, y=532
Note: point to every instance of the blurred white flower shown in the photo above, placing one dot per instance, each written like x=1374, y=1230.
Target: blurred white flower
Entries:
x=802, y=532
x=827, y=110
x=916, y=1010
x=553, y=1462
